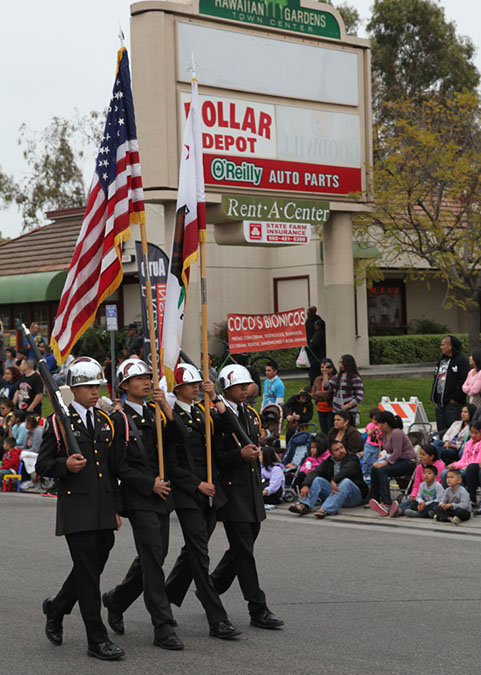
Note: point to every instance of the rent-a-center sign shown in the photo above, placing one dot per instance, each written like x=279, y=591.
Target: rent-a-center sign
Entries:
x=264, y=146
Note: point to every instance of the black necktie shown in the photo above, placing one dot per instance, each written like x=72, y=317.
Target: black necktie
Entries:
x=90, y=424
x=242, y=417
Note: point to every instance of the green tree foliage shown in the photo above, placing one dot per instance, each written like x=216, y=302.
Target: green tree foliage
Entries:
x=416, y=52
x=55, y=157
x=427, y=186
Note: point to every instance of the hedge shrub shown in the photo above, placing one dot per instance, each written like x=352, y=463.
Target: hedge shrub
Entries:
x=409, y=348
x=383, y=350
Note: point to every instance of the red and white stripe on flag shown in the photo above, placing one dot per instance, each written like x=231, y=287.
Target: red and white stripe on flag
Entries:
x=116, y=200
x=189, y=229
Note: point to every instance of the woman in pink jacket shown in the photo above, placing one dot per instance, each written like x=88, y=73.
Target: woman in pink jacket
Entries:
x=471, y=453
x=472, y=384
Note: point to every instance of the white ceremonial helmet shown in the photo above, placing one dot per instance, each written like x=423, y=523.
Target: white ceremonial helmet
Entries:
x=186, y=374
x=234, y=374
x=84, y=370
x=130, y=368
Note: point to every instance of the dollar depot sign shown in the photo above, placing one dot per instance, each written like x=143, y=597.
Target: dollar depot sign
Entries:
x=285, y=14
x=265, y=146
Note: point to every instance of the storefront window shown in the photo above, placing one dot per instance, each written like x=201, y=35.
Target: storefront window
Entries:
x=386, y=308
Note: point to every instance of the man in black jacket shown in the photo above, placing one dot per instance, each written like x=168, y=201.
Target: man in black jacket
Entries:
x=447, y=393
x=147, y=503
x=187, y=467
x=240, y=478
x=87, y=506
x=337, y=481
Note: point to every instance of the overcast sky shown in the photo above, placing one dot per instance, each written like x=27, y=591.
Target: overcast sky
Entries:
x=59, y=55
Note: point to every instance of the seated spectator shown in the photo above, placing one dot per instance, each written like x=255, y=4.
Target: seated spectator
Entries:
x=399, y=460
x=453, y=440
x=10, y=382
x=29, y=455
x=318, y=452
x=6, y=412
x=274, y=388
x=346, y=433
x=11, y=359
x=430, y=494
x=297, y=411
x=373, y=444
x=21, y=354
x=455, y=505
x=273, y=479
x=472, y=384
x=10, y=459
x=322, y=396
x=17, y=428
x=471, y=453
x=61, y=376
x=428, y=456
x=49, y=358
x=337, y=481
x=347, y=387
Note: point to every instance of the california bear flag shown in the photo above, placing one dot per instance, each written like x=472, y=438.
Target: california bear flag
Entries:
x=189, y=229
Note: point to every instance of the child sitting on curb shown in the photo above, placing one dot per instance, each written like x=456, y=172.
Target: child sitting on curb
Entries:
x=430, y=493
x=456, y=504
x=428, y=455
x=373, y=444
x=10, y=459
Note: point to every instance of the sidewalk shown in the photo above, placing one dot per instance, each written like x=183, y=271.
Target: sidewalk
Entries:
x=395, y=371
x=366, y=516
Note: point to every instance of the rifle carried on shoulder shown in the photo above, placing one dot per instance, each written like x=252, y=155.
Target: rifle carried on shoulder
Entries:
x=58, y=404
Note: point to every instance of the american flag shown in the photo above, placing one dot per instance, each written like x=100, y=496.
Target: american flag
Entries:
x=116, y=200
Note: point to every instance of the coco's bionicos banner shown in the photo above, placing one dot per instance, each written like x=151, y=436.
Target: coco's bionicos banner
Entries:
x=263, y=332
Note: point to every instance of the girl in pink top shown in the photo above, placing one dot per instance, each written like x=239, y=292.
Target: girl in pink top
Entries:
x=472, y=384
x=471, y=453
x=317, y=454
x=427, y=455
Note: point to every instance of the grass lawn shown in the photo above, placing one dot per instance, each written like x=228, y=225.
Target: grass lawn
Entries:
x=374, y=390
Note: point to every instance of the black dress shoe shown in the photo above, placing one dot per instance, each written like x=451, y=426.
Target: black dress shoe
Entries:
x=105, y=651
x=266, y=619
x=224, y=630
x=171, y=641
x=53, y=627
x=115, y=619
x=477, y=512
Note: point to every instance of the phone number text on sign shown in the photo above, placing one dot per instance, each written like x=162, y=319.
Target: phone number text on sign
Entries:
x=261, y=332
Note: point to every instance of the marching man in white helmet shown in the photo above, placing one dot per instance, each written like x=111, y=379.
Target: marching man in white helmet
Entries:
x=147, y=503
x=240, y=476
x=87, y=506
x=187, y=469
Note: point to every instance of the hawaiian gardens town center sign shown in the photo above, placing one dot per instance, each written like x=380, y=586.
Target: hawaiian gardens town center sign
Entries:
x=284, y=94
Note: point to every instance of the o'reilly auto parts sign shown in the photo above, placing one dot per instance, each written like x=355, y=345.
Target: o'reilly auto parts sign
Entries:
x=252, y=144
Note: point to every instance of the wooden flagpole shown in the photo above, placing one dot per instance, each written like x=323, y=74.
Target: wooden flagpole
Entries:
x=205, y=354
x=153, y=346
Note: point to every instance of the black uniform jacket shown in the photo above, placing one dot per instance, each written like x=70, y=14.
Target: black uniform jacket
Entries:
x=89, y=499
x=137, y=471
x=240, y=480
x=186, y=457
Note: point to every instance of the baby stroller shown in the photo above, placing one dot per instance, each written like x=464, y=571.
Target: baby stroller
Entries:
x=296, y=453
x=272, y=419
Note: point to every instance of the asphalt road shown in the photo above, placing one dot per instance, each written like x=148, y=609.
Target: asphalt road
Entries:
x=355, y=598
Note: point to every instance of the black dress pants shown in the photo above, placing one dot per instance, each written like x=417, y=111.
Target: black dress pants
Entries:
x=89, y=552
x=151, y=536
x=238, y=561
x=193, y=563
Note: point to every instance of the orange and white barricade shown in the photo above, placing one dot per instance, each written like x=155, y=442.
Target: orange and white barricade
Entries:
x=411, y=412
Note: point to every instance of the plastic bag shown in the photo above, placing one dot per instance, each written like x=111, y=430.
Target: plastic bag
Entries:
x=302, y=360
